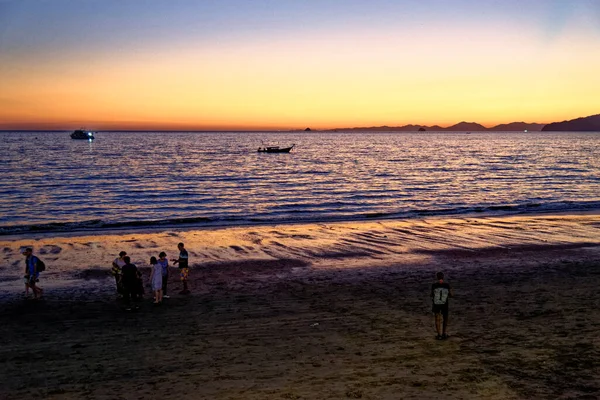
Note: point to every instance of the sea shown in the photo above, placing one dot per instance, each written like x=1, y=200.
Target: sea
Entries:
x=128, y=180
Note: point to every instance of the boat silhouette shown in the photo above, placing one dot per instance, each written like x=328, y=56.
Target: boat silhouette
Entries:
x=275, y=149
x=82, y=134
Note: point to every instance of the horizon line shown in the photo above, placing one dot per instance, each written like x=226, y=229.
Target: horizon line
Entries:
x=355, y=128
x=417, y=126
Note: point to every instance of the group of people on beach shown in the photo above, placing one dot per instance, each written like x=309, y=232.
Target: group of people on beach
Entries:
x=130, y=285
x=129, y=279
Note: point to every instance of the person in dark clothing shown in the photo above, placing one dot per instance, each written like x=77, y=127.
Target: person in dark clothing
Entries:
x=440, y=293
x=129, y=279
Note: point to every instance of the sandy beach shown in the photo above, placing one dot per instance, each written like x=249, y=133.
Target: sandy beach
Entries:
x=315, y=311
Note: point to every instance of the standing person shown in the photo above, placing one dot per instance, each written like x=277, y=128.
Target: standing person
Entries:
x=156, y=280
x=440, y=294
x=130, y=282
x=183, y=267
x=139, y=292
x=117, y=264
x=32, y=273
x=164, y=264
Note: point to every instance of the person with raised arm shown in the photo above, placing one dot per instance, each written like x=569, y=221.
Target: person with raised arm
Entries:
x=184, y=271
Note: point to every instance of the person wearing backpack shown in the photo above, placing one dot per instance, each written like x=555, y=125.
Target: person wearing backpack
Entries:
x=33, y=267
x=440, y=294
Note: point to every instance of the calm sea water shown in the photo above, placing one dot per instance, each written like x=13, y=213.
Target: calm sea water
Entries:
x=50, y=182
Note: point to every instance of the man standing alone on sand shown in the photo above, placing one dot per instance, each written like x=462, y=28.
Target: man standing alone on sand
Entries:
x=183, y=267
x=440, y=293
x=32, y=273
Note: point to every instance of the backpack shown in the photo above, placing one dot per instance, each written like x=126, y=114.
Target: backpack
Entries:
x=40, y=266
x=440, y=295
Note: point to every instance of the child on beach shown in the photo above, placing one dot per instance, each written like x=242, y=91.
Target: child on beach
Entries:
x=139, y=293
x=183, y=267
x=156, y=279
x=164, y=264
x=440, y=293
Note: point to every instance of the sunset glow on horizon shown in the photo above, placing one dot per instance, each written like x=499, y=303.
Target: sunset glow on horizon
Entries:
x=235, y=65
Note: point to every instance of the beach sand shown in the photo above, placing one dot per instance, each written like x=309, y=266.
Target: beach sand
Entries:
x=315, y=311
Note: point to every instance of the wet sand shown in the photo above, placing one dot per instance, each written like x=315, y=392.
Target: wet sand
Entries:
x=314, y=311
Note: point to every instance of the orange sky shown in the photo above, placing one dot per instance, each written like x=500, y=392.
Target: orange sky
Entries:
x=442, y=71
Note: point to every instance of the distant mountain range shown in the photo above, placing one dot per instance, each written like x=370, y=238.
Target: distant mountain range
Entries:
x=586, y=124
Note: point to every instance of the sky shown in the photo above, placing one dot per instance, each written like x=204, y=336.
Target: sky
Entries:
x=285, y=64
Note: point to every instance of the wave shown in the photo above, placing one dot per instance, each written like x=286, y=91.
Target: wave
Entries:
x=96, y=224
x=296, y=216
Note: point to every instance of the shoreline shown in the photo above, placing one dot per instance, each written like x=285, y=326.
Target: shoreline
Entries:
x=482, y=230
x=320, y=245
x=158, y=227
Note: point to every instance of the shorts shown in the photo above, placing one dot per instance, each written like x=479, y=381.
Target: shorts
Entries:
x=440, y=309
x=183, y=273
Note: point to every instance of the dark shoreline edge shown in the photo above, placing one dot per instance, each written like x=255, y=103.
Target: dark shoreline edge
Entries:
x=493, y=210
x=161, y=226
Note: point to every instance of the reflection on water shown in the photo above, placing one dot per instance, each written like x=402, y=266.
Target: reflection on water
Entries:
x=220, y=176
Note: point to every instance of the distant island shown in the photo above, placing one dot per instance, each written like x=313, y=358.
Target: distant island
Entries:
x=585, y=124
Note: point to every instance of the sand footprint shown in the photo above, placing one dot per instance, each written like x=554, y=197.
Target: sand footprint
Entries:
x=238, y=249
x=50, y=249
